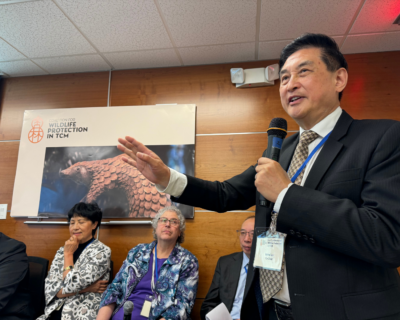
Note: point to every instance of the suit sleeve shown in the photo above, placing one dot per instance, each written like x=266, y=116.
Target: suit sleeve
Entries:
x=13, y=269
x=236, y=193
x=370, y=231
x=212, y=298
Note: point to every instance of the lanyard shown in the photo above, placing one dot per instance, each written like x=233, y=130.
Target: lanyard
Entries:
x=310, y=156
x=155, y=253
x=245, y=268
x=274, y=215
x=153, y=287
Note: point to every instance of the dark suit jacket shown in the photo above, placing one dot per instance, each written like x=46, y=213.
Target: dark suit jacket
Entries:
x=343, y=226
x=14, y=280
x=224, y=284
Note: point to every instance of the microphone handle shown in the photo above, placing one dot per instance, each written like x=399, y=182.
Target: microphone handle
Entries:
x=128, y=316
x=273, y=154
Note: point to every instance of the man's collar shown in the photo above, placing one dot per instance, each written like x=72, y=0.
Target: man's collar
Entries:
x=327, y=124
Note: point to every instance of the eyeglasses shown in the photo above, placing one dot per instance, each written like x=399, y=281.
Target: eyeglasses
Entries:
x=242, y=233
x=172, y=222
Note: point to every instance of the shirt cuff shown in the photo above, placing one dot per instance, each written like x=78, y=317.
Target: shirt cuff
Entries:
x=279, y=200
x=176, y=185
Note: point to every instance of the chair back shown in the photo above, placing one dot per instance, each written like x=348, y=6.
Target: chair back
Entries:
x=111, y=271
x=37, y=274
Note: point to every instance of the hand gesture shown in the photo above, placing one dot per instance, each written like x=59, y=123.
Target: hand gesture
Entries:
x=71, y=245
x=98, y=287
x=146, y=161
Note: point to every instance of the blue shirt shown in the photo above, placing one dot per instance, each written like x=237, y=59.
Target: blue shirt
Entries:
x=237, y=303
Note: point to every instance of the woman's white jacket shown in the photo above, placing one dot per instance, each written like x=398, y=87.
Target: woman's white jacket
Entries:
x=93, y=264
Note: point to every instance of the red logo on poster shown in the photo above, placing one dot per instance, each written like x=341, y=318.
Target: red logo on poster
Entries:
x=36, y=134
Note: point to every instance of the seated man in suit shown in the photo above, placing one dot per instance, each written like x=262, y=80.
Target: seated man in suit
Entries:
x=230, y=275
x=14, y=280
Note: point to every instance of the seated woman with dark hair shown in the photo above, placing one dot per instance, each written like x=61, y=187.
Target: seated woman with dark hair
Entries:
x=80, y=270
x=160, y=278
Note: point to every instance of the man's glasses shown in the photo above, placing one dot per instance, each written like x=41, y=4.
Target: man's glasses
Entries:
x=242, y=233
x=172, y=222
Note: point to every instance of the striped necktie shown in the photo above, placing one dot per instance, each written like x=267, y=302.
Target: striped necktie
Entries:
x=271, y=281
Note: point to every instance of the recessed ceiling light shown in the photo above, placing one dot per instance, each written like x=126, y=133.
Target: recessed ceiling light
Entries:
x=15, y=1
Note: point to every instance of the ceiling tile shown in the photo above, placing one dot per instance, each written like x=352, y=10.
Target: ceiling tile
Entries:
x=377, y=15
x=118, y=25
x=271, y=50
x=290, y=18
x=218, y=54
x=375, y=42
x=21, y=68
x=194, y=23
x=40, y=29
x=7, y=52
x=143, y=59
x=87, y=63
x=338, y=40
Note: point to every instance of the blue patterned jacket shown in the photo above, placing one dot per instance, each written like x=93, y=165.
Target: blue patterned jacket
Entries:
x=176, y=287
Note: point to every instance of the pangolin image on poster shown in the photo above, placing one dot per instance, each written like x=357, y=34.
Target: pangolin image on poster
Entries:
x=98, y=174
x=70, y=155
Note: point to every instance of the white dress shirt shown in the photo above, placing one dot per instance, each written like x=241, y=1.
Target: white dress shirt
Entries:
x=237, y=303
x=178, y=181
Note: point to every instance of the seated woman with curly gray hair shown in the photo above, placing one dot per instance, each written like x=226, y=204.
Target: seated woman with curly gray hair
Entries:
x=160, y=278
x=80, y=270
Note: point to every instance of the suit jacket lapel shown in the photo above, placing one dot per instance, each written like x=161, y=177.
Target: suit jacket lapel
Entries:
x=235, y=276
x=329, y=151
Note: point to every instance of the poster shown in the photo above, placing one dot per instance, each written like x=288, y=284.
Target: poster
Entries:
x=70, y=155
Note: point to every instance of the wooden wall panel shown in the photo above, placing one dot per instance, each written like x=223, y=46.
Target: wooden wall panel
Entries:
x=372, y=90
x=49, y=92
x=222, y=157
x=221, y=108
x=8, y=168
x=371, y=93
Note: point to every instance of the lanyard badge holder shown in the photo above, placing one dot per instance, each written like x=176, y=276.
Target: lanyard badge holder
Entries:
x=145, y=312
x=269, y=247
x=270, y=243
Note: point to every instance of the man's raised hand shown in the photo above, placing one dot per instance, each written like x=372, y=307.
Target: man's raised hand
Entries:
x=145, y=160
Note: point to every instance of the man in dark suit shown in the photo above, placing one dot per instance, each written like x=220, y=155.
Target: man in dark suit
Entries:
x=341, y=216
x=230, y=275
x=14, y=280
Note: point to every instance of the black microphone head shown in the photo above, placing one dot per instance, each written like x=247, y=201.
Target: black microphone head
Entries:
x=278, y=127
x=128, y=308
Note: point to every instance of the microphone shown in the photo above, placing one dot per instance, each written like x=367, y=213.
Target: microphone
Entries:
x=128, y=308
x=277, y=131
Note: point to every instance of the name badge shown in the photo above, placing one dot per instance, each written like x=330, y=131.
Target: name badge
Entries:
x=146, y=307
x=269, y=251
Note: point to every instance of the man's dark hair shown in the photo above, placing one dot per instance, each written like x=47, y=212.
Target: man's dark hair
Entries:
x=90, y=211
x=330, y=53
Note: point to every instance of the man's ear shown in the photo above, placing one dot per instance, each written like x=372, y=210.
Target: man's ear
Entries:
x=341, y=79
